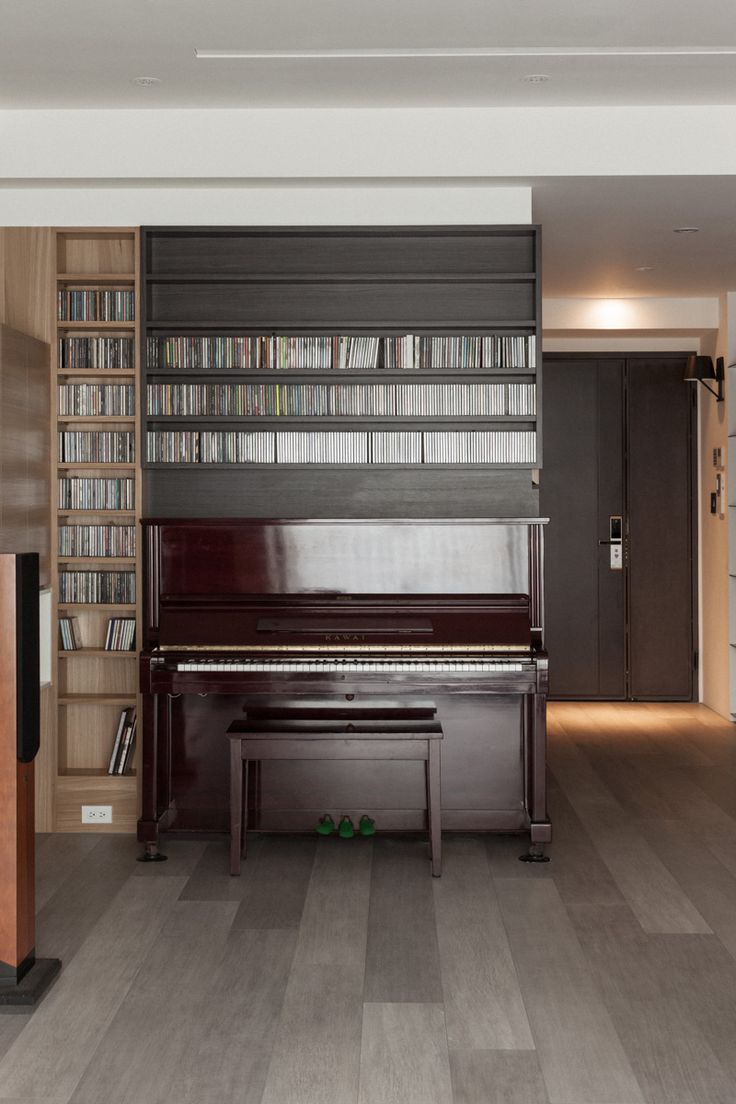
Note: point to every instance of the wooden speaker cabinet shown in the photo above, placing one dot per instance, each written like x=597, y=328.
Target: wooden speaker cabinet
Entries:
x=23, y=977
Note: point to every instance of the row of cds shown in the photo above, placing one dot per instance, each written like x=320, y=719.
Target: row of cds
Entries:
x=69, y=636
x=97, y=352
x=120, y=635
x=86, y=493
x=97, y=540
x=513, y=351
x=110, y=305
x=97, y=446
x=430, y=447
x=341, y=400
x=91, y=400
x=92, y=587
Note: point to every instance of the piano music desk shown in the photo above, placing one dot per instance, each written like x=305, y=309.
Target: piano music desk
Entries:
x=300, y=738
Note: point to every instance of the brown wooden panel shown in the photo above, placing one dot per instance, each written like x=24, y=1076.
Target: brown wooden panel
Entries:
x=17, y=882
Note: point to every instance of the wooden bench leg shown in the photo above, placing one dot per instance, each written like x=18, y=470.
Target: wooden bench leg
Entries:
x=434, y=806
x=244, y=793
x=236, y=805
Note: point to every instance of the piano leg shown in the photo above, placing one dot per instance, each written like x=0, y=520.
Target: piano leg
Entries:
x=540, y=829
x=148, y=824
x=434, y=806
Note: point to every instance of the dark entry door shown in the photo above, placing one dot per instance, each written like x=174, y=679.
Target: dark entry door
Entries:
x=619, y=444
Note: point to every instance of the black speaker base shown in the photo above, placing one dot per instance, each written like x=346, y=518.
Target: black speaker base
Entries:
x=25, y=995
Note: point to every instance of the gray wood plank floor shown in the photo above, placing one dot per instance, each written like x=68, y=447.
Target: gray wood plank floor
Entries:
x=338, y=972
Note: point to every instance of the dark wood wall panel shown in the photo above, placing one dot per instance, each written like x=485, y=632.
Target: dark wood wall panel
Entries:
x=304, y=492
x=661, y=618
x=332, y=304
x=324, y=251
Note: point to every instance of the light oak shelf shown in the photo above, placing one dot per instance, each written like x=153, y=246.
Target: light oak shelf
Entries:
x=91, y=280
x=90, y=419
x=101, y=607
x=95, y=373
x=99, y=653
x=97, y=699
x=96, y=259
x=103, y=464
x=96, y=559
x=66, y=324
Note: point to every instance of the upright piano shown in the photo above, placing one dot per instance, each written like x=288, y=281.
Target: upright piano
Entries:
x=252, y=614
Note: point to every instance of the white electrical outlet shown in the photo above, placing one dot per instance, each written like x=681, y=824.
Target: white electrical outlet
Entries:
x=97, y=814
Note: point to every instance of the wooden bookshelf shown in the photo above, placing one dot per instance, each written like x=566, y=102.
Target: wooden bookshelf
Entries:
x=467, y=449
x=95, y=684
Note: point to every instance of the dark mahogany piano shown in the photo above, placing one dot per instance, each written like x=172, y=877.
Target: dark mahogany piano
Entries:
x=252, y=615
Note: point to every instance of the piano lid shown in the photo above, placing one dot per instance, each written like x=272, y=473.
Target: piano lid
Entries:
x=278, y=584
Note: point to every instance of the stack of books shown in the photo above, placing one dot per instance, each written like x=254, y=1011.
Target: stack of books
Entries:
x=121, y=756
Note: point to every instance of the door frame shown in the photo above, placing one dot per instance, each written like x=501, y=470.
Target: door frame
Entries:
x=693, y=491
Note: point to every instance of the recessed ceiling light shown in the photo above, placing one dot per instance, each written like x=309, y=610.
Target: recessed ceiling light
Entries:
x=686, y=230
x=535, y=78
x=146, y=82
x=644, y=268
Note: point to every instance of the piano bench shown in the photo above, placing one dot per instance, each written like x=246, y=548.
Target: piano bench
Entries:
x=258, y=739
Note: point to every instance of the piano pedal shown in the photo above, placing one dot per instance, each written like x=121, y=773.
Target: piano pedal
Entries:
x=535, y=854
x=152, y=854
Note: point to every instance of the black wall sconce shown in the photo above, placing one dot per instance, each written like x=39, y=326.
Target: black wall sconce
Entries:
x=700, y=369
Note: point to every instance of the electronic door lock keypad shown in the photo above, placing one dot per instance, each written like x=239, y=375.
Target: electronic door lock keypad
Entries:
x=615, y=542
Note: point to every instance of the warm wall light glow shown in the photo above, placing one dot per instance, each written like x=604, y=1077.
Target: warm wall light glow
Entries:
x=612, y=314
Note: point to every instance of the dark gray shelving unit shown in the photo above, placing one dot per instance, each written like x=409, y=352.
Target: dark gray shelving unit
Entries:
x=341, y=281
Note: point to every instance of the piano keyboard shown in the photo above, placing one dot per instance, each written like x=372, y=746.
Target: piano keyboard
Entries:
x=360, y=666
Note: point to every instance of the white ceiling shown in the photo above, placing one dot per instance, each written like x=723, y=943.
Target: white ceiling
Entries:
x=597, y=232
x=77, y=53
x=83, y=53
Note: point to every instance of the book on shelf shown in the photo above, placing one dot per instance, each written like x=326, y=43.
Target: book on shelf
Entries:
x=122, y=748
x=125, y=759
x=341, y=400
x=93, y=493
x=96, y=446
x=83, y=305
x=120, y=635
x=496, y=446
x=96, y=400
x=92, y=587
x=96, y=353
x=96, y=541
x=342, y=352
x=69, y=634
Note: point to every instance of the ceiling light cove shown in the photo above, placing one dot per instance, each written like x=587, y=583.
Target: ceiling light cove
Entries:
x=686, y=230
x=468, y=52
x=535, y=78
x=644, y=268
x=146, y=82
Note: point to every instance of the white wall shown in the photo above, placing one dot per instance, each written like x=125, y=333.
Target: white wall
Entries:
x=262, y=204
x=474, y=143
